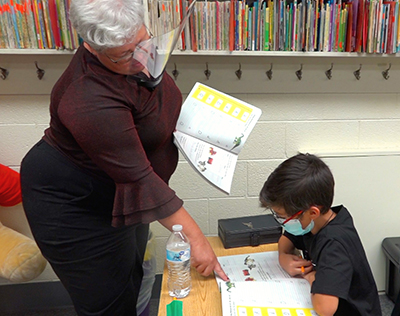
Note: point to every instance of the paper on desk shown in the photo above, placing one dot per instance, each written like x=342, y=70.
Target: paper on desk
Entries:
x=252, y=267
x=287, y=297
x=259, y=286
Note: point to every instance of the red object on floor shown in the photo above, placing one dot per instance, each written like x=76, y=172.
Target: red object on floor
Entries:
x=10, y=188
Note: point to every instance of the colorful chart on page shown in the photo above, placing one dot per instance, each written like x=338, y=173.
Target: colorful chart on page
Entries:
x=274, y=311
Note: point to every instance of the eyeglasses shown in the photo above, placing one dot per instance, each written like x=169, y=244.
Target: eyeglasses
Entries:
x=129, y=57
x=283, y=221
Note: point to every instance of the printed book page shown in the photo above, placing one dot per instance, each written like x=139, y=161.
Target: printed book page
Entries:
x=278, y=297
x=213, y=163
x=259, y=286
x=260, y=266
x=211, y=131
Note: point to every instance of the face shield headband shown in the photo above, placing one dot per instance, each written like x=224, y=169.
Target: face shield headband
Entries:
x=154, y=53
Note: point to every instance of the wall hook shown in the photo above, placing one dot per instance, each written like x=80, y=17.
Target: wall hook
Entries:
x=328, y=73
x=269, y=73
x=207, y=72
x=40, y=72
x=238, y=72
x=4, y=73
x=357, y=73
x=175, y=72
x=385, y=73
x=299, y=73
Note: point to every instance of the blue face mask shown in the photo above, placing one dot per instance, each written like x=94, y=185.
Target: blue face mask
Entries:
x=294, y=227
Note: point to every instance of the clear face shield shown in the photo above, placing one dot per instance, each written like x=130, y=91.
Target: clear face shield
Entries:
x=154, y=53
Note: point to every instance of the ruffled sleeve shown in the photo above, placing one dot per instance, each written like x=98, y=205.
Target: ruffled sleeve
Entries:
x=153, y=200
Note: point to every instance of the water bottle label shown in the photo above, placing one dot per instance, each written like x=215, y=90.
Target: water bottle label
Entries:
x=178, y=256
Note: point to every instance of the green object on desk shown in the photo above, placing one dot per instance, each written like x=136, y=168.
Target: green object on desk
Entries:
x=175, y=308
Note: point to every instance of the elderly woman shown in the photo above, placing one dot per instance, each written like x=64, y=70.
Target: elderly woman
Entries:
x=100, y=173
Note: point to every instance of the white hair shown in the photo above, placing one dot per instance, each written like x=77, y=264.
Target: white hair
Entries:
x=106, y=24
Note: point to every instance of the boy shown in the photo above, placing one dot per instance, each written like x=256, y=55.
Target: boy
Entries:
x=299, y=194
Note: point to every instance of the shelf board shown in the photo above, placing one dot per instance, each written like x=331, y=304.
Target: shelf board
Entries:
x=217, y=53
x=281, y=54
x=36, y=52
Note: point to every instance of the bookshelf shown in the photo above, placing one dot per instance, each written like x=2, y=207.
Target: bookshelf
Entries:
x=286, y=28
x=222, y=63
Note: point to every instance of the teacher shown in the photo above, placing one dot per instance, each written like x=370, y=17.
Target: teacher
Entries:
x=100, y=174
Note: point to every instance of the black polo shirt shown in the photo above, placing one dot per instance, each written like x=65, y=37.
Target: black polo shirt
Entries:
x=341, y=266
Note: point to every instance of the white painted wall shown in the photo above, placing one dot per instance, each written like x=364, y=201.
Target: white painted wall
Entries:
x=313, y=114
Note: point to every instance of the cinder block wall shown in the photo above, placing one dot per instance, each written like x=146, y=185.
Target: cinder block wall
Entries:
x=313, y=114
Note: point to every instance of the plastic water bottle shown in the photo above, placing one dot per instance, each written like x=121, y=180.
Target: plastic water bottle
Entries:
x=178, y=261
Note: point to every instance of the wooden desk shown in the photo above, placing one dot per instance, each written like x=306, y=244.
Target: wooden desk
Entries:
x=204, y=299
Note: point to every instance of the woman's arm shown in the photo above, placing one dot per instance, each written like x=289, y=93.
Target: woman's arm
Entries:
x=202, y=256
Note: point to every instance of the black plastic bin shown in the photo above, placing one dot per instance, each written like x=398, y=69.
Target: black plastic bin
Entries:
x=391, y=248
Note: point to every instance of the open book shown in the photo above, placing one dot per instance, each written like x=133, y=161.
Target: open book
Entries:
x=258, y=286
x=211, y=131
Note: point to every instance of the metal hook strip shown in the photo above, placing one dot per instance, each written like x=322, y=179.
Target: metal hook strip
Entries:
x=238, y=72
x=357, y=73
x=40, y=72
x=175, y=72
x=269, y=73
x=385, y=73
x=4, y=73
x=328, y=73
x=207, y=72
x=299, y=73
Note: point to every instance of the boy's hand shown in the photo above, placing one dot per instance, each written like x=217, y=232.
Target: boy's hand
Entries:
x=294, y=265
x=310, y=277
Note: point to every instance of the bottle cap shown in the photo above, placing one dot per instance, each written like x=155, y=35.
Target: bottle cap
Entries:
x=177, y=228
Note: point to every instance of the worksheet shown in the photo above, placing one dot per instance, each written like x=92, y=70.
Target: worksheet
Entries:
x=277, y=297
x=260, y=266
x=258, y=286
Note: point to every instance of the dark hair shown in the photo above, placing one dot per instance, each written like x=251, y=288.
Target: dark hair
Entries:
x=298, y=183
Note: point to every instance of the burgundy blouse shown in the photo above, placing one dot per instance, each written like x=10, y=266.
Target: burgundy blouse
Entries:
x=109, y=125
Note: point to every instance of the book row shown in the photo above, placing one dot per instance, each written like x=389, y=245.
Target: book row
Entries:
x=364, y=26
x=36, y=24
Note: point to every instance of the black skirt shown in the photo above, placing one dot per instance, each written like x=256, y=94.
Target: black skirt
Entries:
x=69, y=212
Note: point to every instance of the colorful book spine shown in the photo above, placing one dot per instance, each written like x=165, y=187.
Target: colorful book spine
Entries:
x=63, y=24
x=15, y=25
x=22, y=24
x=73, y=42
x=349, y=30
x=267, y=41
x=31, y=24
x=47, y=24
x=271, y=6
x=40, y=23
x=54, y=22
x=294, y=27
x=193, y=28
x=316, y=25
x=396, y=33
x=5, y=34
x=35, y=12
x=254, y=36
